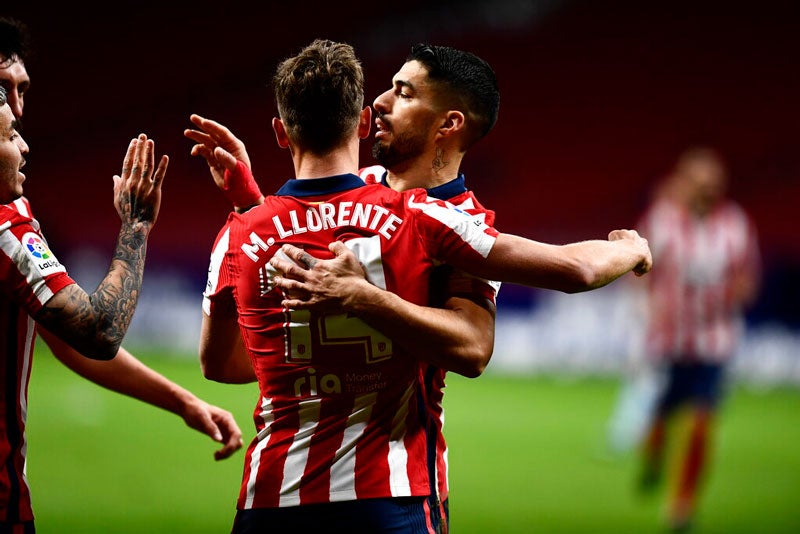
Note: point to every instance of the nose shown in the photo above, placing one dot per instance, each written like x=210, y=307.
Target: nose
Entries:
x=23, y=146
x=381, y=102
x=15, y=103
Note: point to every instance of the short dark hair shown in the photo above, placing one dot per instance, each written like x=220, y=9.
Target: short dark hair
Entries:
x=320, y=94
x=15, y=42
x=468, y=80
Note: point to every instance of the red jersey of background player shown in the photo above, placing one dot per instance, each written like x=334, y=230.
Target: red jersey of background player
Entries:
x=692, y=313
x=31, y=275
x=446, y=282
x=339, y=414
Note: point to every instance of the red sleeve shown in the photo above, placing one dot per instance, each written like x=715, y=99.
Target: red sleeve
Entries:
x=30, y=271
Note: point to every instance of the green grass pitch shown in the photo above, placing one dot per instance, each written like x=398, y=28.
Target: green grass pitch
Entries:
x=525, y=456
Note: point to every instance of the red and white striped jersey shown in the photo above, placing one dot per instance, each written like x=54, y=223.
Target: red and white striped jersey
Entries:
x=31, y=275
x=691, y=305
x=447, y=282
x=341, y=414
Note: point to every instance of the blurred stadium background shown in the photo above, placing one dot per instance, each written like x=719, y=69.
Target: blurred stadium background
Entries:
x=598, y=98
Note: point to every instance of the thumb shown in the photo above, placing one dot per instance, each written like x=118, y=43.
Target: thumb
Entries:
x=338, y=248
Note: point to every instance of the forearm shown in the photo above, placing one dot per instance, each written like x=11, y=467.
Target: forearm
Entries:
x=604, y=261
x=125, y=375
x=95, y=324
x=569, y=268
x=116, y=296
x=459, y=338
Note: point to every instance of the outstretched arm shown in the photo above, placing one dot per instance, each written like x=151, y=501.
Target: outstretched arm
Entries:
x=570, y=268
x=459, y=338
x=441, y=336
x=128, y=376
x=95, y=324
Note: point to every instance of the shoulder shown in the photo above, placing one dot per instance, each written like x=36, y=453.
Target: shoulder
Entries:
x=17, y=213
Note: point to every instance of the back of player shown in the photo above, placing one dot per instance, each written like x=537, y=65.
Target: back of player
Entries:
x=340, y=416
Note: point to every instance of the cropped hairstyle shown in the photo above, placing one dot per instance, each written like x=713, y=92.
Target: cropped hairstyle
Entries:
x=320, y=94
x=468, y=84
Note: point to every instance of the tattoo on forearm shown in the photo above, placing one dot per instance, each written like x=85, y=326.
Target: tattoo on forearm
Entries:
x=102, y=318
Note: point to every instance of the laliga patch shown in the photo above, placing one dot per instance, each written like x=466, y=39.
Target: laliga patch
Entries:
x=40, y=254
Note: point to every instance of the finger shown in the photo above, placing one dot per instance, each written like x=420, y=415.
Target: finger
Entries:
x=204, y=151
x=300, y=256
x=289, y=285
x=215, y=129
x=161, y=171
x=296, y=304
x=197, y=136
x=291, y=250
x=138, y=154
x=127, y=162
x=289, y=270
x=232, y=442
x=294, y=266
x=147, y=164
x=225, y=158
x=232, y=445
x=280, y=265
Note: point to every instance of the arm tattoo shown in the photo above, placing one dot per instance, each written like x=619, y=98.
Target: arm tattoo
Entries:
x=95, y=324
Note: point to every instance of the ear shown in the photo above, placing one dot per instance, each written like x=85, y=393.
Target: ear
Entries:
x=453, y=123
x=365, y=122
x=280, y=132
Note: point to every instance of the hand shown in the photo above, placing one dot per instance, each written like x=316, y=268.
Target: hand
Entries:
x=319, y=285
x=137, y=191
x=646, y=264
x=227, y=160
x=217, y=423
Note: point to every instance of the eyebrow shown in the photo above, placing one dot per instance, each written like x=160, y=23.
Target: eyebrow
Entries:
x=404, y=83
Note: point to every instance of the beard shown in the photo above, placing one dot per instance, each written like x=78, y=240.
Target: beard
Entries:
x=404, y=148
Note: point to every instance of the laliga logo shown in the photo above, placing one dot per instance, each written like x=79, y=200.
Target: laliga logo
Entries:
x=37, y=248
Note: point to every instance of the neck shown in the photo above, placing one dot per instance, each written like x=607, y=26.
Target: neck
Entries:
x=426, y=172
x=340, y=160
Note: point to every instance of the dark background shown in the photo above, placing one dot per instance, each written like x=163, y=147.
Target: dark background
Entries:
x=597, y=99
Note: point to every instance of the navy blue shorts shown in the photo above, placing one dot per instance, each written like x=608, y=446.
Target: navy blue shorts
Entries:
x=400, y=515
x=692, y=382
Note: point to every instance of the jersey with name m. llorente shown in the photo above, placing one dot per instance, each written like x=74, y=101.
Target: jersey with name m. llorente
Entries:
x=31, y=275
x=340, y=415
x=447, y=282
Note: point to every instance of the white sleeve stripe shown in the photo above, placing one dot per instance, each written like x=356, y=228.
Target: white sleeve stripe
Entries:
x=470, y=229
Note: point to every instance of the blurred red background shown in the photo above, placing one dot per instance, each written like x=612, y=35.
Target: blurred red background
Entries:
x=597, y=99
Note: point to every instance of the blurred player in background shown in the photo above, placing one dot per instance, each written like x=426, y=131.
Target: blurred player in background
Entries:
x=708, y=272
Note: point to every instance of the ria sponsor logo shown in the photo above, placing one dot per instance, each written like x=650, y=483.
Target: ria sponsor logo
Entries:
x=329, y=384
x=310, y=385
